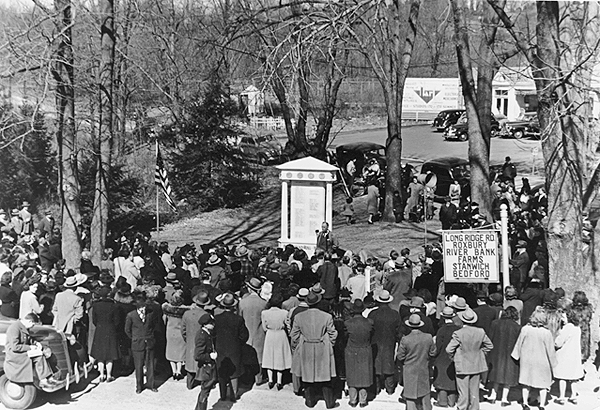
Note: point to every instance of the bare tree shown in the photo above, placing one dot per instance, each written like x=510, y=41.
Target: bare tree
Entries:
x=563, y=54
x=104, y=140
x=66, y=137
x=388, y=50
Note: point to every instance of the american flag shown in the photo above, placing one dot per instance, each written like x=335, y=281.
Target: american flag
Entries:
x=161, y=179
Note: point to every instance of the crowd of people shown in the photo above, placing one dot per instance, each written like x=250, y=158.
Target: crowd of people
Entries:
x=224, y=315
x=334, y=324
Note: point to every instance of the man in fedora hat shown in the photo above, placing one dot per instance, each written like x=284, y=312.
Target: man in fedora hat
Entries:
x=242, y=255
x=358, y=355
x=214, y=266
x=468, y=348
x=46, y=224
x=414, y=352
x=519, y=264
x=140, y=327
x=251, y=307
x=16, y=222
x=386, y=332
x=416, y=306
x=398, y=282
x=302, y=306
x=312, y=338
x=231, y=335
x=68, y=306
x=26, y=218
x=445, y=380
x=189, y=327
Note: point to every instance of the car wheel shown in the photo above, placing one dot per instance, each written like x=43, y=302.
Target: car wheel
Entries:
x=463, y=137
x=518, y=134
x=16, y=395
x=494, y=132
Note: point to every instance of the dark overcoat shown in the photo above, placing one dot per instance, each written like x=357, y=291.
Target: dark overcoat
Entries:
x=231, y=335
x=398, y=283
x=189, y=328
x=386, y=324
x=414, y=352
x=141, y=333
x=17, y=365
x=359, y=353
x=203, y=346
x=504, y=369
x=105, y=316
x=445, y=374
x=313, y=336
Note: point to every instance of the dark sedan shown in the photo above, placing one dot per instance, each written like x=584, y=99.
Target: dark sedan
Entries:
x=446, y=118
x=460, y=130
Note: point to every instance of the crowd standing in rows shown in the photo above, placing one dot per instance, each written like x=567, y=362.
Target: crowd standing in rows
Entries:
x=229, y=314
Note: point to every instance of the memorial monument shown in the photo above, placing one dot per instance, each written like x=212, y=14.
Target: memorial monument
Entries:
x=306, y=201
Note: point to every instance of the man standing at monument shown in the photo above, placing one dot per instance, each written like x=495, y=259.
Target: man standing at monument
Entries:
x=326, y=240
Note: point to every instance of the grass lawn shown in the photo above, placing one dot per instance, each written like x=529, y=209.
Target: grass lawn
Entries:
x=259, y=221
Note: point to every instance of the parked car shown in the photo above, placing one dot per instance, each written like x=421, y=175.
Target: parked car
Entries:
x=362, y=153
x=446, y=118
x=21, y=396
x=264, y=149
x=447, y=170
x=521, y=128
x=460, y=131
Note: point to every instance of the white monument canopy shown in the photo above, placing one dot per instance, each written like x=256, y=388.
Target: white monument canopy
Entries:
x=306, y=201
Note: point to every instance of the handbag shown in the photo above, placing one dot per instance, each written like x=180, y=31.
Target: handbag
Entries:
x=206, y=372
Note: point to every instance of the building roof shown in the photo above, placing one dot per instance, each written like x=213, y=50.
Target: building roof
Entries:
x=307, y=164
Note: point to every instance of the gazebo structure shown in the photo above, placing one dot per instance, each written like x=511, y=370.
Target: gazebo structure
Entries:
x=306, y=201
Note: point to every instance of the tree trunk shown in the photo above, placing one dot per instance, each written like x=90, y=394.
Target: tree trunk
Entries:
x=66, y=136
x=103, y=146
x=398, y=74
x=478, y=101
x=564, y=155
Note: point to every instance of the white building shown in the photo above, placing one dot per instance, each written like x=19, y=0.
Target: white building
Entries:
x=514, y=93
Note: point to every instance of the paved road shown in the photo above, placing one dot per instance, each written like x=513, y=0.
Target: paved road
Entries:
x=120, y=395
x=423, y=143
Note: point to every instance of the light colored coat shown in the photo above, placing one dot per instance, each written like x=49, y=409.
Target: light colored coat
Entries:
x=313, y=336
x=535, y=351
x=468, y=348
x=189, y=328
x=251, y=308
x=29, y=304
x=414, y=351
x=568, y=353
x=67, y=309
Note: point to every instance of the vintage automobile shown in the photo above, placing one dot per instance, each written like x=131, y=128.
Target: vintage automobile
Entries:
x=448, y=169
x=362, y=153
x=22, y=395
x=528, y=126
x=264, y=149
x=446, y=118
x=460, y=130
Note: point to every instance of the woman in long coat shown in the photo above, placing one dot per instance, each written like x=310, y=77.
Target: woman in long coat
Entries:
x=124, y=302
x=231, y=335
x=535, y=351
x=277, y=354
x=504, y=370
x=445, y=374
x=359, y=355
x=173, y=311
x=105, y=347
x=569, y=367
x=372, y=201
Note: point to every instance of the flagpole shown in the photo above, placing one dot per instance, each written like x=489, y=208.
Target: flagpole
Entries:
x=157, y=203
